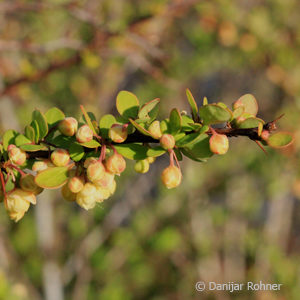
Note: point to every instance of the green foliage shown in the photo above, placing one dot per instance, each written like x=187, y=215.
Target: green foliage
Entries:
x=52, y=178
x=127, y=105
x=280, y=139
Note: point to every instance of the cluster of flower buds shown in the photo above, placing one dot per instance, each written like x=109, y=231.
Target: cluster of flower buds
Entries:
x=96, y=182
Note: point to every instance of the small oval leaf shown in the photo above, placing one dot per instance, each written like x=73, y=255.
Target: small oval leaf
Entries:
x=140, y=128
x=175, y=121
x=52, y=178
x=280, y=139
x=32, y=148
x=132, y=151
x=41, y=120
x=105, y=124
x=192, y=103
x=156, y=151
x=248, y=102
x=9, y=138
x=250, y=123
x=29, y=133
x=53, y=116
x=127, y=104
x=214, y=114
x=149, y=110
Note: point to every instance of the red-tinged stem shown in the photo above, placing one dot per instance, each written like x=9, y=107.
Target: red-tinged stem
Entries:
x=102, y=154
x=114, y=149
x=171, y=153
x=3, y=189
x=16, y=168
x=174, y=154
x=71, y=166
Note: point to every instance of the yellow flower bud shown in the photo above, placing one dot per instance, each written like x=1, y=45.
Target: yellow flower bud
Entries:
x=16, y=155
x=103, y=193
x=112, y=187
x=142, y=166
x=28, y=184
x=167, y=141
x=115, y=164
x=68, y=194
x=171, y=177
x=68, y=126
x=89, y=161
x=88, y=196
x=16, y=216
x=218, y=143
x=60, y=157
x=155, y=130
x=41, y=165
x=95, y=171
x=75, y=184
x=106, y=180
x=118, y=133
x=151, y=159
x=84, y=134
x=18, y=202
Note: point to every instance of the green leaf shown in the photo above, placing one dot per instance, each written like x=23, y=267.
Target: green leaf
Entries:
x=53, y=116
x=164, y=126
x=105, y=124
x=250, y=123
x=21, y=140
x=9, y=138
x=29, y=133
x=237, y=112
x=76, y=152
x=62, y=141
x=248, y=102
x=280, y=139
x=32, y=148
x=41, y=121
x=175, y=121
x=127, y=104
x=205, y=101
x=191, y=156
x=9, y=185
x=140, y=128
x=90, y=144
x=186, y=123
x=132, y=151
x=156, y=151
x=149, y=110
x=52, y=178
x=192, y=103
x=178, y=154
x=214, y=114
x=189, y=139
x=87, y=119
x=178, y=136
x=36, y=129
x=200, y=149
x=196, y=126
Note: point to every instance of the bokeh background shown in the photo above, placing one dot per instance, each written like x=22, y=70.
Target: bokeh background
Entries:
x=235, y=218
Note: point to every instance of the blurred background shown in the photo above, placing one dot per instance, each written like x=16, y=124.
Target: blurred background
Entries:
x=235, y=218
